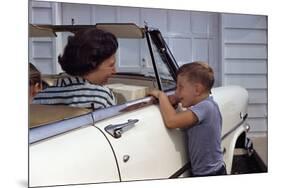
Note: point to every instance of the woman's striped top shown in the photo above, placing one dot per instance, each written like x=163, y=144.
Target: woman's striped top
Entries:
x=77, y=92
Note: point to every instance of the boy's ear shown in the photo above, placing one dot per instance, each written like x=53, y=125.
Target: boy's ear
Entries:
x=199, y=89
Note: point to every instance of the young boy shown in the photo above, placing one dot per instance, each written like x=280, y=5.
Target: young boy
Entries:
x=202, y=118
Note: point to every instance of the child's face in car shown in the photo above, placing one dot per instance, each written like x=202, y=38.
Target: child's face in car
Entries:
x=33, y=90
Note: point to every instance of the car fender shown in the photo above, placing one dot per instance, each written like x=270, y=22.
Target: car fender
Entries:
x=233, y=102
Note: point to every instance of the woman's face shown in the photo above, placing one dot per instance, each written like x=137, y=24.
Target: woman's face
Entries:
x=103, y=72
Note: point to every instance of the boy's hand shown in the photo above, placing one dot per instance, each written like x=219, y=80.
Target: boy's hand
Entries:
x=174, y=100
x=155, y=93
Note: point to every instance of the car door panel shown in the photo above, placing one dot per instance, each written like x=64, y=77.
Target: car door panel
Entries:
x=152, y=150
x=79, y=156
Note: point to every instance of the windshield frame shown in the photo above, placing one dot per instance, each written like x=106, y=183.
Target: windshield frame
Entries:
x=155, y=38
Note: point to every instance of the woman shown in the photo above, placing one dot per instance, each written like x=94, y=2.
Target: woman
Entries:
x=88, y=60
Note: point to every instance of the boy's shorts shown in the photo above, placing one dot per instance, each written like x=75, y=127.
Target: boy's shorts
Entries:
x=221, y=171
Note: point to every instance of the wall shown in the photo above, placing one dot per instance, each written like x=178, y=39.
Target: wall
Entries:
x=190, y=35
x=43, y=51
x=244, y=62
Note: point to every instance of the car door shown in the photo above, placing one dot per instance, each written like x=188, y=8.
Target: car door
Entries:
x=146, y=149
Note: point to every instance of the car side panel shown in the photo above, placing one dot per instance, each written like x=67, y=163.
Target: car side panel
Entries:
x=79, y=156
x=154, y=151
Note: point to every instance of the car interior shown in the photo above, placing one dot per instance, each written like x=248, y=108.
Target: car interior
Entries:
x=125, y=86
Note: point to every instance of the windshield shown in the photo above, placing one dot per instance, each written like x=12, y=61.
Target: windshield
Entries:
x=164, y=62
x=166, y=78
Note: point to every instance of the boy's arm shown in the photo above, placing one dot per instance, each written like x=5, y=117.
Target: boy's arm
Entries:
x=171, y=118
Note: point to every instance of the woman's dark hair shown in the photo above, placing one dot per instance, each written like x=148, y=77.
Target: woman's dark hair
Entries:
x=86, y=50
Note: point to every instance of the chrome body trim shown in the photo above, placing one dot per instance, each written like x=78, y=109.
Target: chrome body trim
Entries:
x=46, y=131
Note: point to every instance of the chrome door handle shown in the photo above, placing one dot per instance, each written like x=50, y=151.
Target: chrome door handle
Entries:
x=117, y=130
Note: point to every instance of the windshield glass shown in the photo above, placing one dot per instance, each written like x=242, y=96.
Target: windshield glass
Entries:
x=166, y=79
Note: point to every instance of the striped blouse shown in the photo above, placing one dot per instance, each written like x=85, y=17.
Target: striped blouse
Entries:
x=77, y=92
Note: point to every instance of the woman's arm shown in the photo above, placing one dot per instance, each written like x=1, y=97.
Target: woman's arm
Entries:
x=171, y=118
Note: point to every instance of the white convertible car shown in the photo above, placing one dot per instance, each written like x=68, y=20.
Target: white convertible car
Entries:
x=128, y=141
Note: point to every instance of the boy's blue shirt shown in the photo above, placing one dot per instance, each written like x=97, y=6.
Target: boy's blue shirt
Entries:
x=204, y=138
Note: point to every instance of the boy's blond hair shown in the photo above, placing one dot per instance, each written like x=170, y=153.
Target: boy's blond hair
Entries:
x=198, y=72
